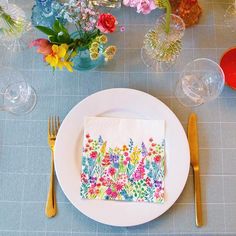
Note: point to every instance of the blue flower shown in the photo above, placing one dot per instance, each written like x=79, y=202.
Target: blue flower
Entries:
x=100, y=140
x=114, y=158
x=144, y=150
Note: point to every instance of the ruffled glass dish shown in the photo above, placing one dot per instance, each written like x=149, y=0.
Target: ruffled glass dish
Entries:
x=14, y=28
x=160, y=48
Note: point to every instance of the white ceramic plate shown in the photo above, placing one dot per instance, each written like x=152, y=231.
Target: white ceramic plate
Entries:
x=126, y=103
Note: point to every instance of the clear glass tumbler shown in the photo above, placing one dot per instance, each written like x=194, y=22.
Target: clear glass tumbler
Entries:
x=16, y=95
x=201, y=81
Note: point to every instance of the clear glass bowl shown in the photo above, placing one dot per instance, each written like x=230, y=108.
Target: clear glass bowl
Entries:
x=201, y=81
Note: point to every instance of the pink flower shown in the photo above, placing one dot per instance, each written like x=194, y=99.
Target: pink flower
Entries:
x=106, y=23
x=125, y=163
x=43, y=45
x=122, y=28
x=108, y=191
x=145, y=6
x=126, y=154
x=131, y=3
x=111, y=171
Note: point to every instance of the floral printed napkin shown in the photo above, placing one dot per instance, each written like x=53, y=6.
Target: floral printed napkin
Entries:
x=123, y=159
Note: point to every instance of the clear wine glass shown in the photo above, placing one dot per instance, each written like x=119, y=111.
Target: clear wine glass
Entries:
x=230, y=17
x=16, y=95
x=201, y=81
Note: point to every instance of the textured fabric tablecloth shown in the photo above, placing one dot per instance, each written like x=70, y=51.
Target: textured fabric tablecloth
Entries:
x=25, y=156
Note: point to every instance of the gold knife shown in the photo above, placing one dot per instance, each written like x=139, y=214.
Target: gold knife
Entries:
x=193, y=144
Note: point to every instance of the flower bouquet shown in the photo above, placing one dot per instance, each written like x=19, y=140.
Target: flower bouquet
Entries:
x=83, y=49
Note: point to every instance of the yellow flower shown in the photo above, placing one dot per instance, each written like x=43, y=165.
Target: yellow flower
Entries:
x=94, y=55
x=110, y=52
x=93, y=50
x=125, y=148
x=135, y=156
x=68, y=65
x=58, y=57
x=103, y=39
x=95, y=45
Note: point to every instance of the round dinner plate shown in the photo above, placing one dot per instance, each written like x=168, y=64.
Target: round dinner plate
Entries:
x=124, y=103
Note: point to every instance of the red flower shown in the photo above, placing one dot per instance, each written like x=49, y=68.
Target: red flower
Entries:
x=153, y=144
x=101, y=179
x=93, y=155
x=157, y=158
x=87, y=136
x=114, y=194
x=90, y=140
x=118, y=187
x=106, y=23
x=151, y=140
x=43, y=45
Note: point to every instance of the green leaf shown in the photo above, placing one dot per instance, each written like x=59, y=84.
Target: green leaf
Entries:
x=56, y=26
x=53, y=39
x=45, y=30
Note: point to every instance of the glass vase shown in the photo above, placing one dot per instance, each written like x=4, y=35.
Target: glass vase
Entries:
x=161, y=48
x=106, y=3
x=82, y=60
x=45, y=12
x=189, y=11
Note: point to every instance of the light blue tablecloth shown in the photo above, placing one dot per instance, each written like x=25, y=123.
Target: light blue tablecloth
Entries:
x=25, y=156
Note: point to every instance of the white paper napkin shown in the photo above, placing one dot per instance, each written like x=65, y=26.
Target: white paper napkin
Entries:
x=123, y=159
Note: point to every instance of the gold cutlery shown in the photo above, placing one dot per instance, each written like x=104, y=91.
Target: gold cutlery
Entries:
x=51, y=205
x=194, y=156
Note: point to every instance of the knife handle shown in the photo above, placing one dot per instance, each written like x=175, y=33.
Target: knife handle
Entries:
x=198, y=200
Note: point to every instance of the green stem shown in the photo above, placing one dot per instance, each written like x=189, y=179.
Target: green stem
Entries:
x=168, y=16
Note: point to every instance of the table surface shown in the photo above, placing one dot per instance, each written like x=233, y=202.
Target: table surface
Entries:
x=25, y=156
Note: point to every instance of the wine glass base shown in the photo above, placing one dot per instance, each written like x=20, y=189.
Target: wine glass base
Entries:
x=28, y=105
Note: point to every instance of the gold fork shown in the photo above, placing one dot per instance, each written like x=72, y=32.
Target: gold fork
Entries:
x=51, y=205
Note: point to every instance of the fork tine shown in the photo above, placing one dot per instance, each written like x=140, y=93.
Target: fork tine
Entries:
x=58, y=123
x=49, y=125
x=53, y=126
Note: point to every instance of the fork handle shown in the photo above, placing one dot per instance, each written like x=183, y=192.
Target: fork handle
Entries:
x=51, y=205
x=198, y=201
